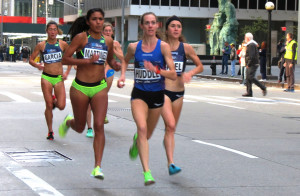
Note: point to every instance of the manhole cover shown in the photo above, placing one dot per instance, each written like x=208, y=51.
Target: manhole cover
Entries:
x=37, y=156
x=119, y=109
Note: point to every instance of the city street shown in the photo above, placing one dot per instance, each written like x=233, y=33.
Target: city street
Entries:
x=226, y=144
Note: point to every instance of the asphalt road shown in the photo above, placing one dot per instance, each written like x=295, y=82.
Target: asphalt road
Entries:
x=225, y=144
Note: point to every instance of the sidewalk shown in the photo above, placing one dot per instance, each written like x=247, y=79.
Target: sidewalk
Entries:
x=269, y=83
x=207, y=74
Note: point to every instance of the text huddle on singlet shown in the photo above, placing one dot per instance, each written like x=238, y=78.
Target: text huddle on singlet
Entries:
x=143, y=74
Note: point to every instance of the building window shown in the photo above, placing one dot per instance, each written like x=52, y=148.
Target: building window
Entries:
x=145, y=2
x=56, y=10
x=154, y=2
x=281, y=4
x=291, y=5
x=41, y=9
x=194, y=3
x=135, y=2
x=213, y=3
x=243, y=4
x=204, y=3
x=235, y=3
x=174, y=2
x=253, y=4
x=23, y=7
x=261, y=4
x=185, y=3
x=165, y=2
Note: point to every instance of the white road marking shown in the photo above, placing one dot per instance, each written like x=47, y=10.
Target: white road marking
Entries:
x=235, y=107
x=34, y=182
x=38, y=93
x=207, y=99
x=287, y=99
x=119, y=95
x=248, y=100
x=188, y=101
x=41, y=94
x=15, y=97
x=223, y=97
x=227, y=149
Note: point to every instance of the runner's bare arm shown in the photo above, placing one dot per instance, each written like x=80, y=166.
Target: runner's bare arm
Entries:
x=77, y=44
x=35, y=53
x=191, y=54
x=129, y=55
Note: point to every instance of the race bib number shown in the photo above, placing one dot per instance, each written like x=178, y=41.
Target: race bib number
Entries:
x=88, y=53
x=53, y=57
x=178, y=67
x=144, y=75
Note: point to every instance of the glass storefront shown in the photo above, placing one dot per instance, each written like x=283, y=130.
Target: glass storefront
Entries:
x=24, y=8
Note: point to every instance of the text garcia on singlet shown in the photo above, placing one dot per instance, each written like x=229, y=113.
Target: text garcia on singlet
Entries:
x=52, y=56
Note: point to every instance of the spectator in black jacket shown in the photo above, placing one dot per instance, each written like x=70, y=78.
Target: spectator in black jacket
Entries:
x=263, y=61
x=280, y=65
x=252, y=63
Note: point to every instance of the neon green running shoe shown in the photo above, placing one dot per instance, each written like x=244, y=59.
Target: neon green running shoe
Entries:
x=89, y=133
x=63, y=128
x=106, y=120
x=134, y=151
x=97, y=173
x=148, y=178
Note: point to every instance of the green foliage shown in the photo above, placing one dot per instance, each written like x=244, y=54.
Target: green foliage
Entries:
x=258, y=28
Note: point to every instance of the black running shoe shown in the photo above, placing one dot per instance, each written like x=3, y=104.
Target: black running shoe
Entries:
x=50, y=136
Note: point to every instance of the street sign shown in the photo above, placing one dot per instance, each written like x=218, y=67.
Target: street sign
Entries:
x=81, y=4
x=51, y=2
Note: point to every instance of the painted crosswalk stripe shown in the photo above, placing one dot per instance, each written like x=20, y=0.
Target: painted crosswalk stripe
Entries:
x=15, y=97
x=41, y=94
x=230, y=106
x=287, y=99
x=119, y=95
x=188, y=101
x=200, y=98
x=227, y=149
x=38, y=185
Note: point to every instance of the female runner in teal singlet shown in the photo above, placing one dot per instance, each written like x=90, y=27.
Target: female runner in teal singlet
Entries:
x=92, y=50
x=109, y=73
x=52, y=77
x=174, y=89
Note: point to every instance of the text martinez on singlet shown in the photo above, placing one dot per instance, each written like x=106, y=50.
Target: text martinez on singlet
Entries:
x=88, y=52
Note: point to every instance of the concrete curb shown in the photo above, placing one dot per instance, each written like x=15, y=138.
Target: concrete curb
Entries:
x=229, y=79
